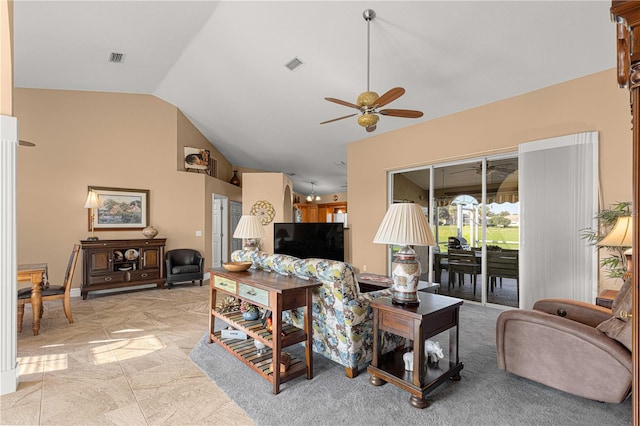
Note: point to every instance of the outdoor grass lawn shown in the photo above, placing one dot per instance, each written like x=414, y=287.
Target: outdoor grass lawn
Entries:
x=503, y=237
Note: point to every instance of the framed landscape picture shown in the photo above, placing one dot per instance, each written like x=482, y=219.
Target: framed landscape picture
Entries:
x=120, y=209
x=197, y=159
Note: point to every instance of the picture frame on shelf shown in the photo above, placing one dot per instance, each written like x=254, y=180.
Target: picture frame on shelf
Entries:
x=121, y=209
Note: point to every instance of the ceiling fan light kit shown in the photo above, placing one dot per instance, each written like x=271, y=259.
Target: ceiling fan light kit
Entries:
x=368, y=120
x=368, y=102
x=367, y=99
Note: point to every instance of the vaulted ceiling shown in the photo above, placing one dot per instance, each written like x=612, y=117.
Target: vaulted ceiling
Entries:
x=223, y=64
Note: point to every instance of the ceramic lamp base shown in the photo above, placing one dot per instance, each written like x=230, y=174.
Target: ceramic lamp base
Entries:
x=250, y=244
x=405, y=270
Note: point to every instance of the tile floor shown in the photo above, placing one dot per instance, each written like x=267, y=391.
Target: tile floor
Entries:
x=124, y=361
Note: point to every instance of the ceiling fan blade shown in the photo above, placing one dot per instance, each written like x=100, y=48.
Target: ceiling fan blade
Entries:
x=339, y=118
x=371, y=128
x=390, y=96
x=345, y=103
x=406, y=113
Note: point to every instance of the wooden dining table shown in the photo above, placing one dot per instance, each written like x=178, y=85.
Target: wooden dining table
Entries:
x=36, y=274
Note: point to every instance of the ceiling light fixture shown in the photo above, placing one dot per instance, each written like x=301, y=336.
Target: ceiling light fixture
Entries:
x=313, y=195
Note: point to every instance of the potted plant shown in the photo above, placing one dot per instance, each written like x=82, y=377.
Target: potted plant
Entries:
x=614, y=265
x=249, y=311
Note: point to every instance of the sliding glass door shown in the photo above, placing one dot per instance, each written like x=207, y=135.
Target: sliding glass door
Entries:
x=473, y=209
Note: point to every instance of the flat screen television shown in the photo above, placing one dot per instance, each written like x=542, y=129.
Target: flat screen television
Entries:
x=306, y=240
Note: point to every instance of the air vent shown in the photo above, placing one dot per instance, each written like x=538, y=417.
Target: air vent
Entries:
x=294, y=64
x=116, y=58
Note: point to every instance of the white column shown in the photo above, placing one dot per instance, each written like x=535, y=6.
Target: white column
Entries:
x=8, y=285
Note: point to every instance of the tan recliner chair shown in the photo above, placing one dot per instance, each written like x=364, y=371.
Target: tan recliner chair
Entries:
x=572, y=346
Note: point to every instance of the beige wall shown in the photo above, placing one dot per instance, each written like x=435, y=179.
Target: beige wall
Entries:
x=103, y=139
x=274, y=188
x=590, y=103
x=6, y=57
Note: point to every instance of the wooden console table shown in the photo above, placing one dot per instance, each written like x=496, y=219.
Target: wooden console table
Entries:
x=434, y=315
x=273, y=292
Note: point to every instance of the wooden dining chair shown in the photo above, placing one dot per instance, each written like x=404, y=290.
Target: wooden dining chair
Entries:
x=52, y=292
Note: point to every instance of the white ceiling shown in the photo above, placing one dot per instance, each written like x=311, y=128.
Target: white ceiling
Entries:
x=223, y=64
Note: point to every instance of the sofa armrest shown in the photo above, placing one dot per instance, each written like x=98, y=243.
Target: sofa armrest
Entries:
x=361, y=306
x=581, y=312
x=371, y=295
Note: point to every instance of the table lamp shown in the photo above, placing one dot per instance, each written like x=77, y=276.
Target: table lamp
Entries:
x=251, y=230
x=621, y=236
x=92, y=203
x=406, y=225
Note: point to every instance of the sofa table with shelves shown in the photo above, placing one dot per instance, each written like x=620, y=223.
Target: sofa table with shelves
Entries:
x=109, y=264
x=273, y=292
x=435, y=314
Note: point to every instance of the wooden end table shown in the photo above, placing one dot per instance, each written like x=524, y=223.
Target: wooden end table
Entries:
x=434, y=315
x=605, y=298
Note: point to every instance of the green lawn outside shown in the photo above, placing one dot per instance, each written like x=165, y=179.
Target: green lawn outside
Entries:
x=495, y=236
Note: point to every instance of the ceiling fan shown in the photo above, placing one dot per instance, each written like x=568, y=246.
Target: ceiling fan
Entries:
x=368, y=102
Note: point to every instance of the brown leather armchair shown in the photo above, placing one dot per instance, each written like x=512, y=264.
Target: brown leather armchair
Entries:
x=557, y=344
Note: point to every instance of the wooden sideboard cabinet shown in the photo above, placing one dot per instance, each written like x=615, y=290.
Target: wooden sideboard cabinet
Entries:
x=108, y=264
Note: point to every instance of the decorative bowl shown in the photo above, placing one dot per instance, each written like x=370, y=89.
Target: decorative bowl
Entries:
x=236, y=266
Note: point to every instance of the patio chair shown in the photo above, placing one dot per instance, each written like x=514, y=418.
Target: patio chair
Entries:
x=463, y=262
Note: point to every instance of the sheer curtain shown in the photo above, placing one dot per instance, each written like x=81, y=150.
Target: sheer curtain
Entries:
x=558, y=184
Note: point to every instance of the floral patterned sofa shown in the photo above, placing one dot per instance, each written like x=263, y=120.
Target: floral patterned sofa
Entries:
x=342, y=317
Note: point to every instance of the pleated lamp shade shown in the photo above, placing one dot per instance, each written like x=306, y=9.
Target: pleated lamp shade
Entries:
x=249, y=227
x=92, y=200
x=405, y=224
x=620, y=235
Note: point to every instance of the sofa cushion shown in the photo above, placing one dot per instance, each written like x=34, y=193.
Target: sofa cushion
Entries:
x=281, y=263
x=616, y=327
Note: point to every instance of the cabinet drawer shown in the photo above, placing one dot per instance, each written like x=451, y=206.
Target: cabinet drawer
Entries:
x=224, y=284
x=144, y=275
x=254, y=294
x=106, y=278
